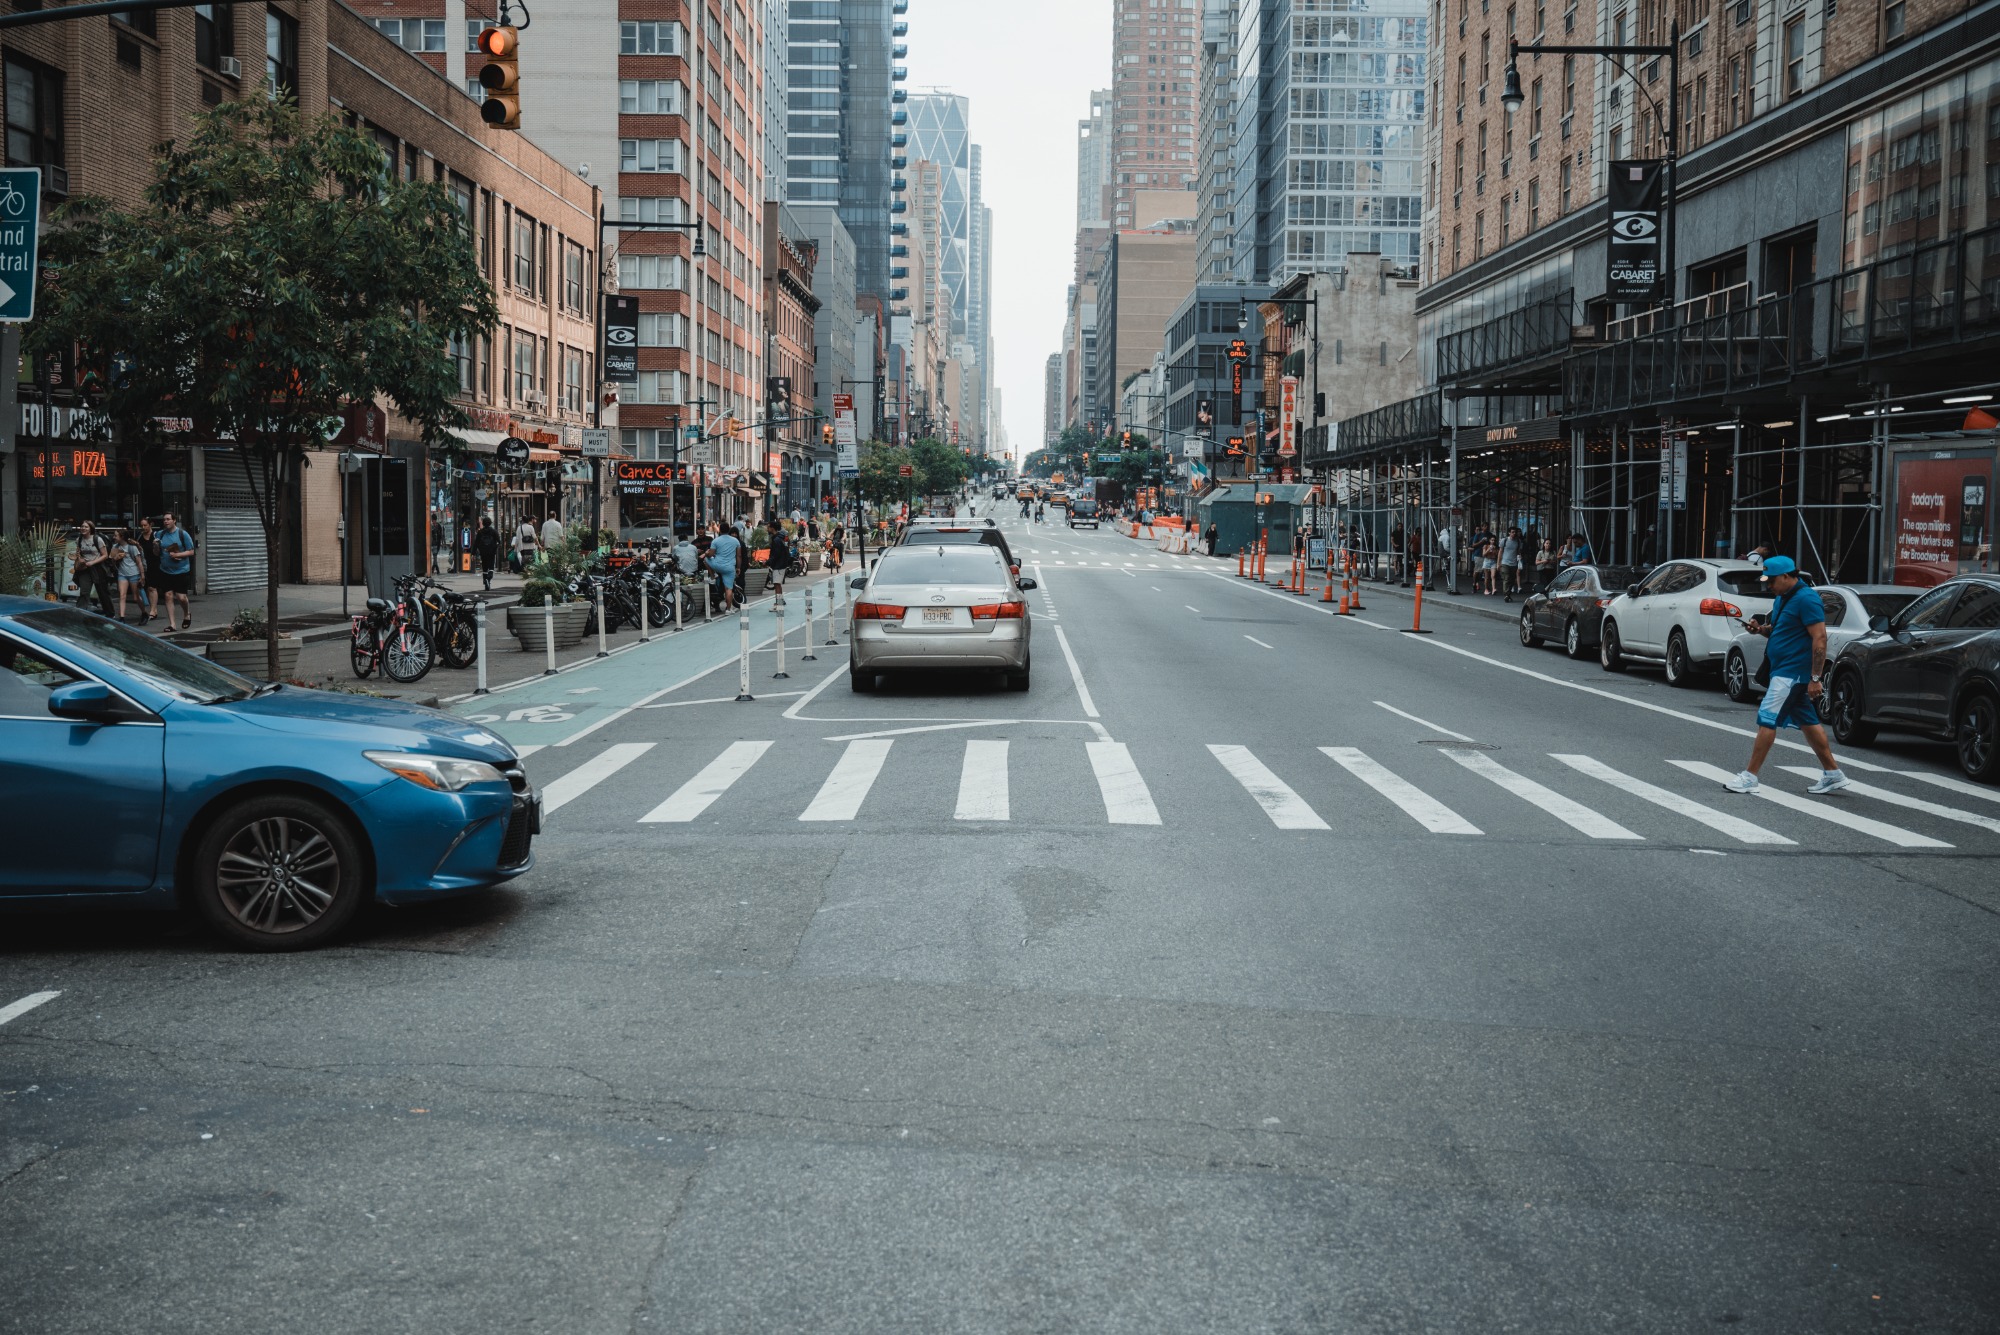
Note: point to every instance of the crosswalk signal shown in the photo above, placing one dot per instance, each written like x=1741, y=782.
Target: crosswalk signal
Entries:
x=500, y=76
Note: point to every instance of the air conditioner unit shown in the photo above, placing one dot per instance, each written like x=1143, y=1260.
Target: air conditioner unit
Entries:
x=232, y=68
x=55, y=182
x=534, y=398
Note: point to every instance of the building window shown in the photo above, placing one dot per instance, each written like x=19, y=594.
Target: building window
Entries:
x=524, y=252
x=649, y=155
x=1795, y=55
x=1478, y=236
x=485, y=368
x=1569, y=84
x=1535, y=109
x=34, y=114
x=649, y=39
x=214, y=34
x=572, y=383
x=1892, y=21
x=413, y=34
x=1534, y=205
x=656, y=387
x=461, y=356
x=473, y=27
x=662, y=330
x=651, y=209
x=1562, y=203
x=281, y=52
x=649, y=97
x=573, y=276
x=1506, y=218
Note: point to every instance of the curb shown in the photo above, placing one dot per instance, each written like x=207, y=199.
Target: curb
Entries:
x=1437, y=598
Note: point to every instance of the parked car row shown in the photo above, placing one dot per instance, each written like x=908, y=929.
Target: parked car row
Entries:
x=1899, y=658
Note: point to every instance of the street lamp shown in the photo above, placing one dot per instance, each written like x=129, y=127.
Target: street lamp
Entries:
x=1511, y=99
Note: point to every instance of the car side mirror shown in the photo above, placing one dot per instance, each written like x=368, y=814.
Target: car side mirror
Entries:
x=1635, y=591
x=1029, y=582
x=1880, y=625
x=87, y=701
x=858, y=582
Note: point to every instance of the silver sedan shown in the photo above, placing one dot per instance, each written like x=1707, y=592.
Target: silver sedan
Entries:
x=939, y=608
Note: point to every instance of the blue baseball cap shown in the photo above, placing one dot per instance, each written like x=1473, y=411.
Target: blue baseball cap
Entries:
x=1779, y=565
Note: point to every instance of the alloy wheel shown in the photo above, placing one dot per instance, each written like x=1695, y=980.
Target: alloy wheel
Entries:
x=278, y=874
x=1573, y=639
x=1979, y=738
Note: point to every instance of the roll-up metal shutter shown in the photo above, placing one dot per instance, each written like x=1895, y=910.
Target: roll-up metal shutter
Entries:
x=233, y=541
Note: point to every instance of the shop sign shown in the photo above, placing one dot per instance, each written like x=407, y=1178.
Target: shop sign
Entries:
x=1518, y=433
x=67, y=465
x=1288, y=415
x=364, y=425
x=1944, y=516
x=513, y=450
x=53, y=421
x=636, y=477
x=1633, y=271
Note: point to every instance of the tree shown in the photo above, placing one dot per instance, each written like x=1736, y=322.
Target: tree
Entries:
x=276, y=274
x=940, y=467
x=880, y=478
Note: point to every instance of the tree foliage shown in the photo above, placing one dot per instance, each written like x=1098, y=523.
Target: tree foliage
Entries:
x=276, y=274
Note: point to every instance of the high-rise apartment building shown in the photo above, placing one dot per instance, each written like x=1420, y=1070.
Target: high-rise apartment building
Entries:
x=1095, y=161
x=844, y=114
x=1215, y=177
x=1155, y=73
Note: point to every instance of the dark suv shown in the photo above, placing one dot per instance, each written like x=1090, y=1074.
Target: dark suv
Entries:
x=1082, y=510
x=944, y=531
x=1933, y=668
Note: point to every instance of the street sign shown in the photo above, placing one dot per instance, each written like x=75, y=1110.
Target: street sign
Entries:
x=596, y=442
x=1674, y=474
x=904, y=470
x=20, y=234
x=513, y=450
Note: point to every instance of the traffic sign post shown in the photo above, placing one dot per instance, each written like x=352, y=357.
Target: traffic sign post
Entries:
x=20, y=236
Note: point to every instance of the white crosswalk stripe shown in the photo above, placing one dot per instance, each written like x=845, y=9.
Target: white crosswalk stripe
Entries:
x=1287, y=810
x=982, y=782
x=1420, y=806
x=1127, y=800
x=840, y=797
x=1937, y=809
x=1955, y=785
x=1826, y=808
x=1573, y=814
x=693, y=797
x=558, y=793
x=1721, y=822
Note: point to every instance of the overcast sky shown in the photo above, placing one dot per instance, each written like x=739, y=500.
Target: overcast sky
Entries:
x=1028, y=66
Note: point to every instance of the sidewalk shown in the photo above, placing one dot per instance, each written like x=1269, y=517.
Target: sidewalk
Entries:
x=314, y=611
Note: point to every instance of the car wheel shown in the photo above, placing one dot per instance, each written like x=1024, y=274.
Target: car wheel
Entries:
x=1573, y=638
x=862, y=682
x=361, y=652
x=1528, y=637
x=1680, y=668
x=1609, y=656
x=278, y=873
x=1978, y=738
x=1736, y=678
x=1843, y=711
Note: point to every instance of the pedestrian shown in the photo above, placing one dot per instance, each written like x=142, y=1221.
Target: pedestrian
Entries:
x=1579, y=551
x=526, y=544
x=779, y=558
x=723, y=550
x=1545, y=565
x=1396, y=549
x=94, y=569
x=836, y=543
x=149, y=547
x=1510, y=563
x=552, y=533
x=1489, y=562
x=176, y=569
x=486, y=548
x=1795, y=657
x=131, y=566
x=1759, y=554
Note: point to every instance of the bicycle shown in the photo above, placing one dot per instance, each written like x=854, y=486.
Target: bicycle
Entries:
x=445, y=615
x=13, y=204
x=384, y=637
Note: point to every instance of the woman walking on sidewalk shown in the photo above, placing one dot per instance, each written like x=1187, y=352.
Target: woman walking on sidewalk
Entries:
x=131, y=573
x=486, y=547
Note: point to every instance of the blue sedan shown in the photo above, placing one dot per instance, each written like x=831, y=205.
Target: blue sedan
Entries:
x=133, y=772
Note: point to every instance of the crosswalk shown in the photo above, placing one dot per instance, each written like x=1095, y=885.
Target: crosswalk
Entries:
x=1394, y=790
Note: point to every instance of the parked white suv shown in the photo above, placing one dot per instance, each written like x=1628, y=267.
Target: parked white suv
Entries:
x=1683, y=615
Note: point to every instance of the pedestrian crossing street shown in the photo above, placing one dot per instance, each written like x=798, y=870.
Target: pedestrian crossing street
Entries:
x=1446, y=791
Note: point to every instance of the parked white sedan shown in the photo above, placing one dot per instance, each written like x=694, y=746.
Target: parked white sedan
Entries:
x=1682, y=615
x=1848, y=610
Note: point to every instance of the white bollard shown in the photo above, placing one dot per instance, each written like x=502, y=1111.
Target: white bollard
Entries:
x=743, y=658
x=480, y=621
x=676, y=589
x=645, y=611
x=836, y=593
x=707, y=600
x=602, y=652
x=809, y=656
x=778, y=610
x=549, y=634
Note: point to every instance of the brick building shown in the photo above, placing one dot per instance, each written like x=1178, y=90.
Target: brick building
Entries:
x=1153, y=100
x=91, y=97
x=792, y=442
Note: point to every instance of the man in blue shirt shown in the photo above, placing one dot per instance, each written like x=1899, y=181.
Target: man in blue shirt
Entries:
x=1796, y=657
x=722, y=559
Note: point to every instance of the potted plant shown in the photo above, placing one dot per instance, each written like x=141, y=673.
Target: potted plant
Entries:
x=548, y=581
x=243, y=647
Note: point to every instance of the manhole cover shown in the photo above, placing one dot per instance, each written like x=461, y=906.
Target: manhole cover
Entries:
x=1453, y=743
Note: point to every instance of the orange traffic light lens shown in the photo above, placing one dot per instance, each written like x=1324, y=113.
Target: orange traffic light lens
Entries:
x=500, y=43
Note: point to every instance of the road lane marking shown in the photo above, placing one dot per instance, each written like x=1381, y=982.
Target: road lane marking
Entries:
x=525, y=751
x=1287, y=810
x=1442, y=732
x=840, y=797
x=1254, y=640
x=693, y=797
x=560, y=792
x=15, y=1010
x=1192, y=608
x=1076, y=675
x=1742, y=831
x=1826, y=809
x=1573, y=814
x=1127, y=800
x=720, y=700
x=1898, y=800
x=645, y=700
x=1955, y=785
x=1420, y=806
x=792, y=710
x=982, y=782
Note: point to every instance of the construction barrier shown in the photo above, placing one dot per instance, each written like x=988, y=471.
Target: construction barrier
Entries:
x=1416, y=626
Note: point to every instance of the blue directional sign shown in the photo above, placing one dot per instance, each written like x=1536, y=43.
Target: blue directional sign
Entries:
x=20, y=226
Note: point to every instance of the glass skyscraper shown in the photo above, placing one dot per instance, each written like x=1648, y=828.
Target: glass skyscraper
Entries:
x=842, y=105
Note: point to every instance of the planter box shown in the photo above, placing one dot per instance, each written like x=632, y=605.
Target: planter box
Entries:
x=815, y=559
x=754, y=580
x=252, y=657
x=527, y=625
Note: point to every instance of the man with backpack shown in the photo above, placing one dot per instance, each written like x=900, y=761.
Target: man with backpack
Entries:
x=779, y=557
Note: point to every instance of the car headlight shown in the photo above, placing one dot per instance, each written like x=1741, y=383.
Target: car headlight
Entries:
x=440, y=773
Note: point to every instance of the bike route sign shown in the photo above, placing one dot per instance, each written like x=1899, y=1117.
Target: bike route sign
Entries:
x=20, y=225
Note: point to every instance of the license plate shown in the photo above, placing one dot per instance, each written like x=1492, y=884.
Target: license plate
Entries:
x=937, y=616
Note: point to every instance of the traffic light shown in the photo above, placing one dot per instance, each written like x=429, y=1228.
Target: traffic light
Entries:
x=826, y=434
x=500, y=76
x=1126, y=440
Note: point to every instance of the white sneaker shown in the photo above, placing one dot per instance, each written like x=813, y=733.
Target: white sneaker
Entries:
x=1746, y=782
x=1832, y=781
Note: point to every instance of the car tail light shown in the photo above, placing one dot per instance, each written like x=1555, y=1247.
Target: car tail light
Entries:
x=1716, y=607
x=999, y=611
x=1604, y=602
x=878, y=612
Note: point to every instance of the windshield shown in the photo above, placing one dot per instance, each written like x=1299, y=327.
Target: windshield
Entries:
x=941, y=565
x=155, y=662
x=1886, y=604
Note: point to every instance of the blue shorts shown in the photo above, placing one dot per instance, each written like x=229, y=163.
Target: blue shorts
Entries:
x=1786, y=705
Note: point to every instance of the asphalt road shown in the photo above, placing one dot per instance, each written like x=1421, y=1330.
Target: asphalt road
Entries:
x=1257, y=970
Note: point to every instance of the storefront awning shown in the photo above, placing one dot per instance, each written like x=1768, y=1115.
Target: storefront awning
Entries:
x=480, y=442
x=754, y=482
